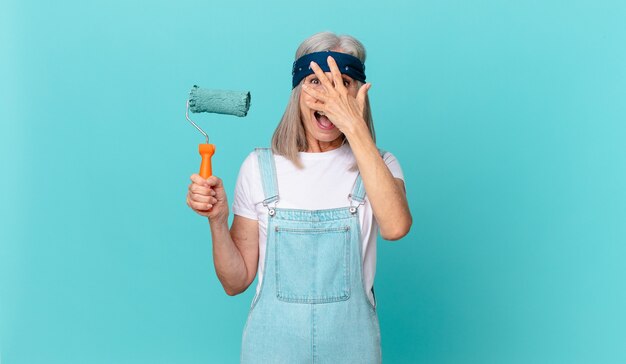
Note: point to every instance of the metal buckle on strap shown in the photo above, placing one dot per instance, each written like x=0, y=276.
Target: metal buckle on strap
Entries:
x=271, y=210
x=353, y=208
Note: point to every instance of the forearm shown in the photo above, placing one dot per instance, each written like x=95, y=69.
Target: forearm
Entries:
x=229, y=264
x=387, y=198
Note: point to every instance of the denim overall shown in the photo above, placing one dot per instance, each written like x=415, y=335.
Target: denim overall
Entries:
x=311, y=307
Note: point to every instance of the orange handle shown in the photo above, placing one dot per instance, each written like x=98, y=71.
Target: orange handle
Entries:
x=206, y=152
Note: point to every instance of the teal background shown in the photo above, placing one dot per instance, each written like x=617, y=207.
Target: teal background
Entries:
x=508, y=118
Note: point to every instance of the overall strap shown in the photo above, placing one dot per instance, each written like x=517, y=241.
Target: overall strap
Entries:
x=267, y=168
x=358, y=192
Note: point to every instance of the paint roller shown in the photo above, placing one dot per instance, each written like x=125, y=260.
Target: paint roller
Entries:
x=218, y=102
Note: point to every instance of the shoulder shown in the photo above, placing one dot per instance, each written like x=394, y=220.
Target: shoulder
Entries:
x=387, y=156
x=249, y=169
x=250, y=161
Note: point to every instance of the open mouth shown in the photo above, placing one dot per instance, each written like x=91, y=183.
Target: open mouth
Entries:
x=322, y=121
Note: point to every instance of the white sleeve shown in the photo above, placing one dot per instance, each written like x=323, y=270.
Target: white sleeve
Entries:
x=243, y=203
x=393, y=165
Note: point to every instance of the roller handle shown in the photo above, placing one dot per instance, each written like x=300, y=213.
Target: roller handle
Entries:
x=206, y=152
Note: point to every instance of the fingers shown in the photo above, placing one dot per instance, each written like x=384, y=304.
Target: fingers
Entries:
x=211, y=181
x=214, y=181
x=334, y=69
x=196, y=205
x=315, y=106
x=203, y=186
x=206, y=196
x=360, y=97
x=202, y=198
x=321, y=76
x=314, y=93
x=200, y=201
x=196, y=178
x=201, y=190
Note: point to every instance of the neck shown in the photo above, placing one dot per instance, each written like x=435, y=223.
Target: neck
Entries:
x=316, y=146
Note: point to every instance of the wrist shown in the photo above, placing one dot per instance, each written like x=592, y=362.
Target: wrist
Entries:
x=357, y=131
x=218, y=223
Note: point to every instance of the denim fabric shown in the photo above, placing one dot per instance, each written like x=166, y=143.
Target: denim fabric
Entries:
x=312, y=307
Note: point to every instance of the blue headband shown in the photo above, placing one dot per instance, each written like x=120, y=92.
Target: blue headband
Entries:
x=348, y=64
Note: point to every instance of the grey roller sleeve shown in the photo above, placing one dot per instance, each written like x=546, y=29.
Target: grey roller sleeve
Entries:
x=219, y=101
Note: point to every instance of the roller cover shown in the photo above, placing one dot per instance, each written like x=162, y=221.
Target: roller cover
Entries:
x=219, y=101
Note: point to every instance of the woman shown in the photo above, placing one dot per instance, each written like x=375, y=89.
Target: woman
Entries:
x=307, y=213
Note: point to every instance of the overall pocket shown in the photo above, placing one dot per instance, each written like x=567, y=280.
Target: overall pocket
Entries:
x=312, y=265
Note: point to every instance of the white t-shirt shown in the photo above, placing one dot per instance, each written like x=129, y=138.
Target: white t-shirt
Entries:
x=324, y=183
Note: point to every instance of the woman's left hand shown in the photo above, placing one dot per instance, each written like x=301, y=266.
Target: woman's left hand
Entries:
x=343, y=109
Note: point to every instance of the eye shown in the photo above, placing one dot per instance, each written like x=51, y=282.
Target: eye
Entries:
x=346, y=82
x=315, y=81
